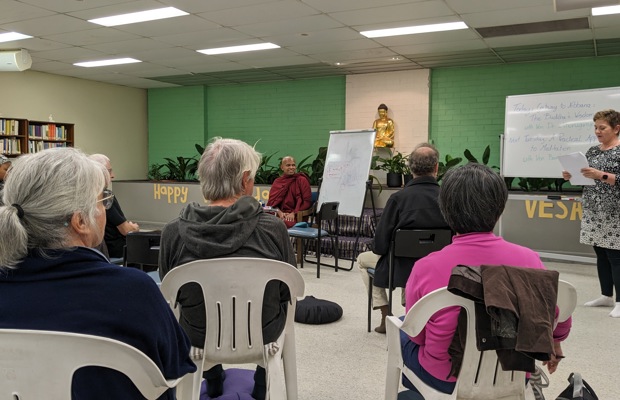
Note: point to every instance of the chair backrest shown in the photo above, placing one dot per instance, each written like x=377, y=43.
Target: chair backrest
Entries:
x=328, y=211
x=418, y=243
x=40, y=364
x=483, y=378
x=142, y=248
x=233, y=289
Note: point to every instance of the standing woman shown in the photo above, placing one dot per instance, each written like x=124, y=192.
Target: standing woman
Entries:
x=600, y=224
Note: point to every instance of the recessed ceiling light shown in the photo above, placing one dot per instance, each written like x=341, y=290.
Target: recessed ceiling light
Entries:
x=103, y=63
x=11, y=36
x=239, y=49
x=141, y=16
x=410, y=30
x=606, y=10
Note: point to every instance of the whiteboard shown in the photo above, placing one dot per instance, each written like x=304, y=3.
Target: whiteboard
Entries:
x=347, y=165
x=540, y=127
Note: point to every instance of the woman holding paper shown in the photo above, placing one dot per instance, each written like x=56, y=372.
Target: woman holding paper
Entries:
x=600, y=224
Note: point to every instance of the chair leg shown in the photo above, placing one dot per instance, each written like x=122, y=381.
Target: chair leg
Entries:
x=303, y=252
x=371, y=280
x=336, y=251
x=318, y=257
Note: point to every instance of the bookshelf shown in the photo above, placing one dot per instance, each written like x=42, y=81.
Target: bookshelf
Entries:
x=20, y=136
x=13, y=136
x=44, y=135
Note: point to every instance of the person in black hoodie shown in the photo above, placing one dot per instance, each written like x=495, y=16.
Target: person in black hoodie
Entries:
x=231, y=225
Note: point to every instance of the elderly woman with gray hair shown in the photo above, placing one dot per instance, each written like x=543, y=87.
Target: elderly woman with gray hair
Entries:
x=472, y=198
x=52, y=279
x=233, y=224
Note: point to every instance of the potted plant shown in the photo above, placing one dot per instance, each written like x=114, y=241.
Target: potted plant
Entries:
x=395, y=166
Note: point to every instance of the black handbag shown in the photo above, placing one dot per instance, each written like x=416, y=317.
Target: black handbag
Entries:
x=578, y=389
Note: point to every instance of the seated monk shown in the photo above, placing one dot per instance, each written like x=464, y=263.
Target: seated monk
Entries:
x=290, y=192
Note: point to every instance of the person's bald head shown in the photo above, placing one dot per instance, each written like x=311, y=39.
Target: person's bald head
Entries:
x=424, y=160
x=288, y=165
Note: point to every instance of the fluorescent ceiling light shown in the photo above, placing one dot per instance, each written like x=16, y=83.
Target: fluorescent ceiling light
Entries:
x=103, y=63
x=141, y=16
x=11, y=36
x=606, y=10
x=410, y=30
x=239, y=49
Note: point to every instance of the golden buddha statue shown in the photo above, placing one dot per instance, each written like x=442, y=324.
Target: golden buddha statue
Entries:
x=384, y=127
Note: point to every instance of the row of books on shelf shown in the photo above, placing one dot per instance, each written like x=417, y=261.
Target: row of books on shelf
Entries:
x=34, y=146
x=10, y=146
x=48, y=132
x=9, y=127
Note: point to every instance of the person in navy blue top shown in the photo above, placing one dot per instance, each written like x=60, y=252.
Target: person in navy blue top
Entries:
x=52, y=279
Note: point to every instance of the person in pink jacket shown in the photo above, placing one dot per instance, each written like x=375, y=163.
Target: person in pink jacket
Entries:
x=471, y=199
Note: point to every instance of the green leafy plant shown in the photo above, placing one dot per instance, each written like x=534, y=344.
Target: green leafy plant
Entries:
x=396, y=164
x=485, y=157
x=266, y=173
x=181, y=169
x=445, y=166
x=155, y=173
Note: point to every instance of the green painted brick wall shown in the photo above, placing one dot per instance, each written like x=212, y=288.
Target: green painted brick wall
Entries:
x=468, y=104
x=176, y=118
x=292, y=117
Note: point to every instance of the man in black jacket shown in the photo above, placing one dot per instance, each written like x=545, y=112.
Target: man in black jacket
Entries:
x=414, y=207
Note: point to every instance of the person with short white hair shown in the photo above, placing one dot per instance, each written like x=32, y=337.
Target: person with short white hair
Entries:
x=52, y=279
x=233, y=224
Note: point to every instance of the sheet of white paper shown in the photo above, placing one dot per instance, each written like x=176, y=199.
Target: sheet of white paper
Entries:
x=573, y=163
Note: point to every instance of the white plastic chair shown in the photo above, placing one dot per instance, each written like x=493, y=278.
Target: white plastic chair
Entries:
x=481, y=377
x=233, y=289
x=40, y=364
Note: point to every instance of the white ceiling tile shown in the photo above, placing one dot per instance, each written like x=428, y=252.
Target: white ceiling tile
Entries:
x=16, y=11
x=169, y=26
x=443, y=47
x=406, y=14
x=334, y=6
x=220, y=37
x=64, y=6
x=314, y=37
x=70, y=54
x=267, y=62
x=605, y=21
x=289, y=26
x=377, y=53
x=608, y=33
x=49, y=25
x=93, y=36
x=435, y=37
x=330, y=47
x=117, y=8
x=202, y=6
x=482, y=6
x=265, y=12
x=131, y=46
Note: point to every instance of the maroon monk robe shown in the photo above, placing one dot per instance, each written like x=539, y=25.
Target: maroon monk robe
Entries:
x=291, y=193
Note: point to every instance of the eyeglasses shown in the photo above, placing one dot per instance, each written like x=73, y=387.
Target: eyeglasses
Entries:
x=107, y=198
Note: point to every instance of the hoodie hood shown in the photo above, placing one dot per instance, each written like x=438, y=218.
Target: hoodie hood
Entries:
x=214, y=231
